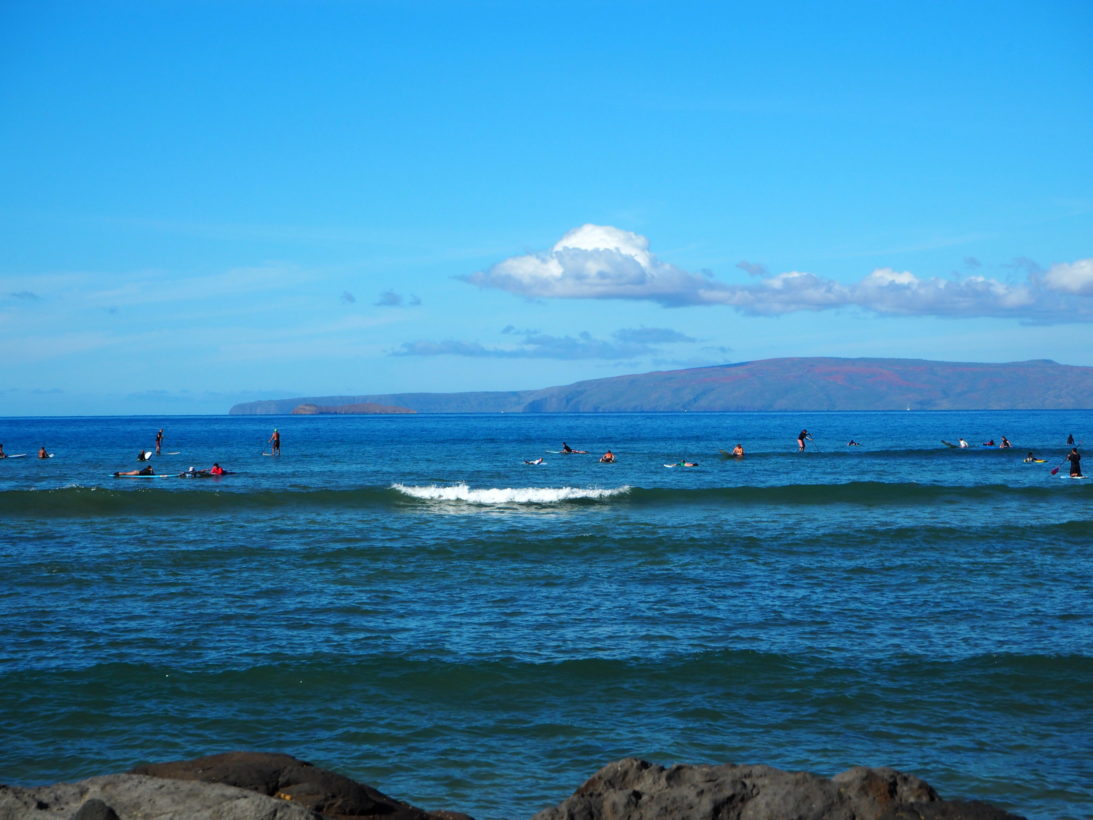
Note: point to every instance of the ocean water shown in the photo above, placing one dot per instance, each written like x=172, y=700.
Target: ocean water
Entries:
x=403, y=600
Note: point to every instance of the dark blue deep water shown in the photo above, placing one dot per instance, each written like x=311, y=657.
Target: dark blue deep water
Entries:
x=403, y=600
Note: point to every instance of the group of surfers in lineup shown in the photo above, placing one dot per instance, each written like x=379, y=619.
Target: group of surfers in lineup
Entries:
x=1074, y=457
x=42, y=453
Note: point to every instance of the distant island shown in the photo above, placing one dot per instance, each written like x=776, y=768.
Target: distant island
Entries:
x=813, y=384
x=360, y=409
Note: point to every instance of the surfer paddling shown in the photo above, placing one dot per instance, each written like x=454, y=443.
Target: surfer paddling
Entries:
x=142, y=471
x=802, y=437
x=1075, y=459
x=569, y=450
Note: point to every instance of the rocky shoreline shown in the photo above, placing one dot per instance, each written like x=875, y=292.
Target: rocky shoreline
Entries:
x=265, y=786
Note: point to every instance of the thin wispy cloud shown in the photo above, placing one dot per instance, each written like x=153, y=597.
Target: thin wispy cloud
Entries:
x=603, y=262
x=623, y=344
x=26, y=296
x=390, y=298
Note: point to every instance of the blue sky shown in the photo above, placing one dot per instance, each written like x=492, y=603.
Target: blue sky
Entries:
x=211, y=202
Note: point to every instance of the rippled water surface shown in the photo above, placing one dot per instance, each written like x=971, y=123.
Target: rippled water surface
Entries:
x=404, y=600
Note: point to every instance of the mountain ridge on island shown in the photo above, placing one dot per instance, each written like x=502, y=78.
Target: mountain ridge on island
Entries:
x=785, y=384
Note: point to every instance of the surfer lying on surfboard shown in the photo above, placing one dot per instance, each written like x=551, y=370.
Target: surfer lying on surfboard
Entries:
x=142, y=471
x=567, y=449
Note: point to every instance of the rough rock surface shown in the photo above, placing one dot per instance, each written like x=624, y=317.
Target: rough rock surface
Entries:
x=231, y=786
x=259, y=786
x=126, y=796
x=633, y=789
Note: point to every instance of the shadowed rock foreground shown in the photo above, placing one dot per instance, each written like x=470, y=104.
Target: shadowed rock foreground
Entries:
x=260, y=786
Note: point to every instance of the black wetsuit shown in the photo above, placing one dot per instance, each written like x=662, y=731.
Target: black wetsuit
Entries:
x=1075, y=459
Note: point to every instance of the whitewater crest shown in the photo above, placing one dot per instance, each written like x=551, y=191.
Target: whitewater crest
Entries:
x=508, y=495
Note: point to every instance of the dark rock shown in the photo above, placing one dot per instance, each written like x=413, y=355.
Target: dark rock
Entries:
x=95, y=809
x=286, y=778
x=633, y=789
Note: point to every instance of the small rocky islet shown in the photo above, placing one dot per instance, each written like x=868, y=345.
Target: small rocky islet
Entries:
x=268, y=786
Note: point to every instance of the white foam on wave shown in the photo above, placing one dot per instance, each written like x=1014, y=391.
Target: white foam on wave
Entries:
x=507, y=495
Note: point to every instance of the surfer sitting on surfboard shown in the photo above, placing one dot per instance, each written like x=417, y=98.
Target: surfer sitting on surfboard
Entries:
x=607, y=458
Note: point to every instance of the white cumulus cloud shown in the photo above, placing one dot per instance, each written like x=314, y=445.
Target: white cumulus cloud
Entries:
x=595, y=262
x=1072, y=277
x=604, y=262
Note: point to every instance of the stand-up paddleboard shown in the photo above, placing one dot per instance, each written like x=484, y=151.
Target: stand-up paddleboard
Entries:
x=173, y=453
x=271, y=454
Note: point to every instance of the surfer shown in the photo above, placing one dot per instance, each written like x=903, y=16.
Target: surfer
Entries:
x=852, y=443
x=142, y=455
x=607, y=458
x=802, y=437
x=216, y=469
x=539, y=460
x=1070, y=439
x=146, y=470
x=159, y=440
x=566, y=448
x=42, y=452
x=988, y=443
x=2, y=453
x=738, y=451
x=1005, y=443
x=275, y=442
x=963, y=443
x=1075, y=459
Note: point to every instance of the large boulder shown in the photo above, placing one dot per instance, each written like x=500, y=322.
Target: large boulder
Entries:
x=633, y=789
x=231, y=786
x=124, y=796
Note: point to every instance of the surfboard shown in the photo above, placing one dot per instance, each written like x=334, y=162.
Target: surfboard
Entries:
x=154, y=475
x=17, y=455
x=947, y=443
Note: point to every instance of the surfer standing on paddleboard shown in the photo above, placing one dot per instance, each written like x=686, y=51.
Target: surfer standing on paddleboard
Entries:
x=275, y=442
x=159, y=440
x=1075, y=459
x=802, y=437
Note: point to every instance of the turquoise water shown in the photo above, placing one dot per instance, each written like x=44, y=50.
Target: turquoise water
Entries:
x=403, y=600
